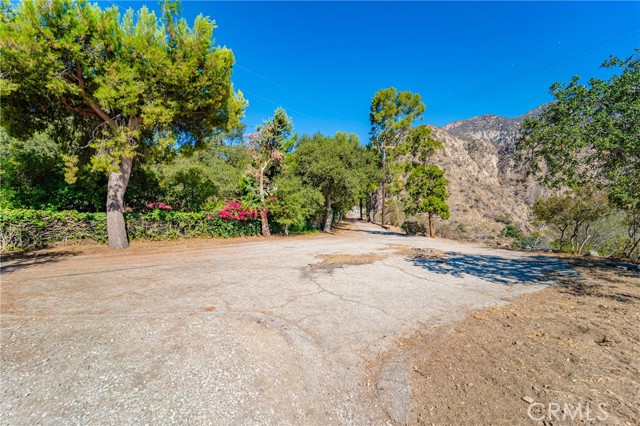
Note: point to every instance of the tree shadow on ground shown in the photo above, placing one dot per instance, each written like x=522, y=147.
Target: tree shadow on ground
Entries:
x=348, y=225
x=17, y=261
x=381, y=232
x=499, y=270
x=609, y=279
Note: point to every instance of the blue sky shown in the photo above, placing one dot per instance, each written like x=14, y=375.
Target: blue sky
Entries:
x=324, y=61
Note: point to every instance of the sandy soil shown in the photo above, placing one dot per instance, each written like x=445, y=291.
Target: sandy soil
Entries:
x=569, y=354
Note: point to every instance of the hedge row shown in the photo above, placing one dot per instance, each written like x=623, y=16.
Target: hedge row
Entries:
x=28, y=229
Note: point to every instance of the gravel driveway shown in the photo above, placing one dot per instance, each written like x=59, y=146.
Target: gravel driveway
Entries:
x=274, y=331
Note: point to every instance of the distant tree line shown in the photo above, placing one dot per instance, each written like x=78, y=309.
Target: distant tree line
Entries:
x=136, y=112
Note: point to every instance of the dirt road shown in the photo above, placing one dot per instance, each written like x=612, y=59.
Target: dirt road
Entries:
x=275, y=331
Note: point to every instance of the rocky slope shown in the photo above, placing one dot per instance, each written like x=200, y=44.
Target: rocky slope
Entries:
x=486, y=189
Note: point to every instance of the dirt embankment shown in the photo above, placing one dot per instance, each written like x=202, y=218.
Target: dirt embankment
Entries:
x=569, y=354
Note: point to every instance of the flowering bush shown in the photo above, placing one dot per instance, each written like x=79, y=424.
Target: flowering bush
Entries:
x=236, y=210
x=159, y=205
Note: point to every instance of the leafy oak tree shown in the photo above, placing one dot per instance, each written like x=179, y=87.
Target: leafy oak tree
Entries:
x=339, y=167
x=391, y=115
x=268, y=146
x=427, y=191
x=589, y=135
x=573, y=214
x=134, y=83
x=293, y=203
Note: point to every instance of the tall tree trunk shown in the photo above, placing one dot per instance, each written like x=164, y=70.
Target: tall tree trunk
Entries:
x=361, y=207
x=263, y=215
x=329, y=215
x=116, y=226
x=562, y=230
x=384, y=184
x=432, y=231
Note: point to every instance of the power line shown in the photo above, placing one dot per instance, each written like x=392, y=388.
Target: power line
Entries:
x=304, y=98
x=271, y=101
x=526, y=76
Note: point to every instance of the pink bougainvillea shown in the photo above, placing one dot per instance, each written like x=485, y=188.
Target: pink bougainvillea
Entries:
x=159, y=205
x=235, y=210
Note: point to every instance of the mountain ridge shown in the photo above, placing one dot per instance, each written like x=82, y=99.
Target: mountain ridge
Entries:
x=487, y=190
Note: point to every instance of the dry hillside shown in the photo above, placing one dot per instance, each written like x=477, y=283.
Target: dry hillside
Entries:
x=486, y=189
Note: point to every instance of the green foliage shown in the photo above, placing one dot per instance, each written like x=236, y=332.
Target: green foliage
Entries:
x=293, y=203
x=234, y=228
x=23, y=229
x=573, y=215
x=132, y=84
x=409, y=163
x=268, y=147
x=511, y=231
x=339, y=167
x=32, y=172
x=394, y=212
x=270, y=143
x=414, y=227
x=26, y=229
x=392, y=113
x=202, y=178
x=144, y=188
x=629, y=244
x=33, y=177
x=590, y=135
x=141, y=78
x=248, y=191
x=419, y=146
x=426, y=187
x=161, y=225
x=416, y=149
x=527, y=242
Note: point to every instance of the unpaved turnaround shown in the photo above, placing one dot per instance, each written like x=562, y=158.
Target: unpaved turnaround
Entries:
x=276, y=331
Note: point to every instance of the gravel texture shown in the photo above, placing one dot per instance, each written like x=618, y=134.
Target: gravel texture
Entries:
x=254, y=332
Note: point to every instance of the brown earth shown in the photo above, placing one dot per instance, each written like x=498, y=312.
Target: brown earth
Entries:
x=312, y=330
x=576, y=344
x=13, y=260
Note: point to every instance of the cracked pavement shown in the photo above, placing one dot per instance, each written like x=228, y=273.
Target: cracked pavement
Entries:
x=239, y=333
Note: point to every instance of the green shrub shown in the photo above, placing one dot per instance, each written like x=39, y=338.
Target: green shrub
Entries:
x=27, y=229
x=510, y=231
x=413, y=227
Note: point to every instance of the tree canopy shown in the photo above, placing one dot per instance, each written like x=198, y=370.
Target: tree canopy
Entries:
x=590, y=134
x=293, y=202
x=392, y=113
x=272, y=140
x=134, y=83
x=418, y=147
x=339, y=167
x=572, y=214
x=427, y=193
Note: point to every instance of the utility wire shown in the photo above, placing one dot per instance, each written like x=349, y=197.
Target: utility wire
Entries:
x=304, y=98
